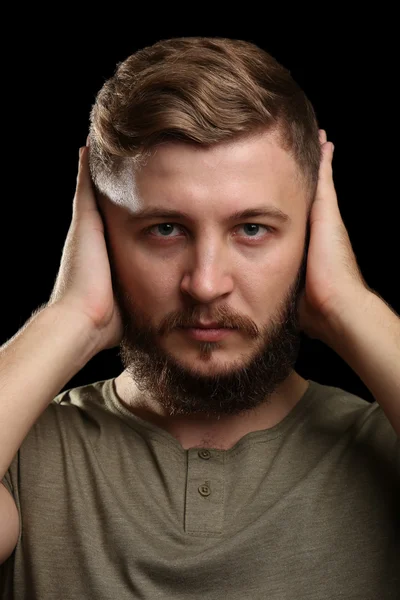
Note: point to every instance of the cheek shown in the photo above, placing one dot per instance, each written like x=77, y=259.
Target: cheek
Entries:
x=264, y=282
x=260, y=286
x=149, y=282
x=279, y=262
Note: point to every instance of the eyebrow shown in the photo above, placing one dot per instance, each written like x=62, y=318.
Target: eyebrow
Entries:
x=159, y=212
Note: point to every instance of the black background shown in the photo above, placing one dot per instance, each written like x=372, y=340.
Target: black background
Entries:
x=52, y=71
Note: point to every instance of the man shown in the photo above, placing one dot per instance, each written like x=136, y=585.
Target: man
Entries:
x=208, y=467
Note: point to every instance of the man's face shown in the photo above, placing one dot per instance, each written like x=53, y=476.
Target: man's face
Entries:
x=245, y=273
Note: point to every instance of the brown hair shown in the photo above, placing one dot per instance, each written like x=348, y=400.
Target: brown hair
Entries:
x=200, y=91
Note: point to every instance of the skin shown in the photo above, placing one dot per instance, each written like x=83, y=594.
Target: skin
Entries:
x=210, y=394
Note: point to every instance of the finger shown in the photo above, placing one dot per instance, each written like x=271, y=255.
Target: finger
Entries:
x=325, y=166
x=326, y=158
x=326, y=188
x=322, y=136
x=84, y=198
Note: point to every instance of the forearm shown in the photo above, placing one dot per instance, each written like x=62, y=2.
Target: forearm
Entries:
x=367, y=337
x=34, y=366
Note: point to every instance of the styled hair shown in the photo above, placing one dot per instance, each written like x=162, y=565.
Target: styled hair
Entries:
x=201, y=91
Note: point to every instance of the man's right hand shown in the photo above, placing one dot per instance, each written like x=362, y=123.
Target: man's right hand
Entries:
x=83, y=283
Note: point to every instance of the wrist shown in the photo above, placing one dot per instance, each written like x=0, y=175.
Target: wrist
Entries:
x=76, y=326
x=347, y=315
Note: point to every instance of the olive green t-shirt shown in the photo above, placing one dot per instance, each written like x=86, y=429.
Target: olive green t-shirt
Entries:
x=113, y=508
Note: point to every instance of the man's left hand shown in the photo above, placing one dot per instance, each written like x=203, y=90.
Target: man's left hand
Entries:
x=333, y=278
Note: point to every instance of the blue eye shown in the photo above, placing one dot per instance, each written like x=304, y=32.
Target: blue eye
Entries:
x=164, y=229
x=251, y=225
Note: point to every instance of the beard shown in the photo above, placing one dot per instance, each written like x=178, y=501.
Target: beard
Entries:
x=229, y=390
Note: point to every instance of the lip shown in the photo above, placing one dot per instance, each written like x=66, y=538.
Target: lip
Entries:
x=210, y=325
x=207, y=334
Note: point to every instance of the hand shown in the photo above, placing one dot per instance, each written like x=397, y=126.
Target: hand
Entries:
x=333, y=278
x=84, y=282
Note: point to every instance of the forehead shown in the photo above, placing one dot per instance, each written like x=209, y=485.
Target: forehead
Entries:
x=251, y=159
x=239, y=172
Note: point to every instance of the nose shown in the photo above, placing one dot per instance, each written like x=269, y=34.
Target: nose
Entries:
x=208, y=275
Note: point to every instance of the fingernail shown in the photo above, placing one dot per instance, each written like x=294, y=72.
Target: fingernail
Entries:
x=88, y=140
x=80, y=152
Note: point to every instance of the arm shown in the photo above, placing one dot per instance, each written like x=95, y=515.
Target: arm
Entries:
x=367, y=336
x=340, y=309
x=34, y=366
x=80, y=320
